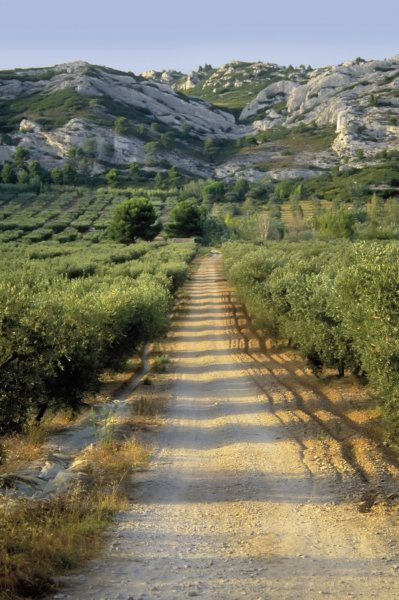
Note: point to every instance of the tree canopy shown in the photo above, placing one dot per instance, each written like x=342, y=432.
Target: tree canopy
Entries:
x=132, y=219
x=185, y=219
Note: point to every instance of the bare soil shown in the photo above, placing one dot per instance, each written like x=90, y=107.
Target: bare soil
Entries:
x=265, y=483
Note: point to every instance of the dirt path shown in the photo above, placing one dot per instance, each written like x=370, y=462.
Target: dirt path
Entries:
x=238, y=502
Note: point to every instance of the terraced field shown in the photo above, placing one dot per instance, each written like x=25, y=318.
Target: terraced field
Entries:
x=289, y=216
x=64, y=215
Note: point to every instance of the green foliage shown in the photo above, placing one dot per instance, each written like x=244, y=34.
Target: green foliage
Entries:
x=23, y=177
x=135, y=218
x=238, y=86
x=284, y=188
x=184, y=219
x=34, y=168
x=56, y=337
x=175, y=179
x=214, y=191
x=213, y=230
x=373, y=101
x=121, y=125
x=50, y=110
x=338, y=303
x=90, y=147
x=331, y=224
x=160, y=363
x=57, y=175
x=241, y=188
x=368, y=298
x=8, y=174
x=111, y=176
x=20, y=156
x=69, y=175
x=151, y=150
x=69, y=311
x=356, y=184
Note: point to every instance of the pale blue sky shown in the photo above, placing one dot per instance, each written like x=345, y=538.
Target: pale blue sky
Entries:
x=183, y=34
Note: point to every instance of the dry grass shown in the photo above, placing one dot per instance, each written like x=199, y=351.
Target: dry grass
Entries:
x=39, y=540
x=45, y=538
x=160, y=363
x=112, y=381
x=110, y=461
x=20, y=449
x=149, y=405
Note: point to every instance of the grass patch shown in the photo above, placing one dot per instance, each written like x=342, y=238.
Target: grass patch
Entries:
x=281, y=162
x=149, y=405
x=20, y=449
x=310, y=139
x=110, y=461
x=160, y=363
x=304, y=138
x=356, y=184
x=51, y=110
x=39, y=540
x=33, y=74
x=42, y=539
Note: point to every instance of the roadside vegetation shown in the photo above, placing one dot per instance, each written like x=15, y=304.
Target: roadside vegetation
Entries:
x=68, y=315
x=77, y=299
x=42, y=539
x=336, y=302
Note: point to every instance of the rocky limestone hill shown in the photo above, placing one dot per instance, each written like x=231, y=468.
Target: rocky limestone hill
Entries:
x=360, y=99
x=234, y=85
x=49, y=110
x=242, y=119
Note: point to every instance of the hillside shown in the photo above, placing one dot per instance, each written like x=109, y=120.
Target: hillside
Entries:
x=239, y=120
x=49, y=110
x=234, y=85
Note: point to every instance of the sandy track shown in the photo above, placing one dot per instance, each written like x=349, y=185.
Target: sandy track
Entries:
x=235, y=505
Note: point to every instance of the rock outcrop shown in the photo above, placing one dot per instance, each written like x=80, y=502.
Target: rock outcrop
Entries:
x=109, y=94
x=267, y=98
x=358, y=100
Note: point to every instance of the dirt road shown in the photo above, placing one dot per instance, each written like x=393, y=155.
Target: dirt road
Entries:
x=248, y=494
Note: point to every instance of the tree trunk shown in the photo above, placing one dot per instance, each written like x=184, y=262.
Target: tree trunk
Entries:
x=42, y=409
